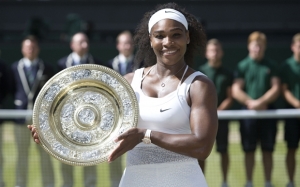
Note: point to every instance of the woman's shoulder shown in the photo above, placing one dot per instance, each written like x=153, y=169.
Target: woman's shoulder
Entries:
x=129, y=77
x=199, y=79
x=141, y=71
x=195, y=74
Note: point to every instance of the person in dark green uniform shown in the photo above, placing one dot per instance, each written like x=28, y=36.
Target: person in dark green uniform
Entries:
x=222, y=79
x=291, y=93
x=256, y=87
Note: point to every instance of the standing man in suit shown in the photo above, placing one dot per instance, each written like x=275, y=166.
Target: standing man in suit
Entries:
x=222, y=78
x=123, y=64
x=29, y=74
x=3, y=92
x=80, y=55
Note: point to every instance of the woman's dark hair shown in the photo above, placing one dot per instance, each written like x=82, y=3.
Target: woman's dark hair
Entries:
x=145, y=53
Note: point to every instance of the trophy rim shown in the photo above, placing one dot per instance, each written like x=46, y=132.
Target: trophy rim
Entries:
x=36, y=112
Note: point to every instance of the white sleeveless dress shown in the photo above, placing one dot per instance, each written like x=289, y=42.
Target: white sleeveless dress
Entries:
x=149, y=165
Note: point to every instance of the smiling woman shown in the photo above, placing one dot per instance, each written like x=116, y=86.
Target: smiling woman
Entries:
x=177, y=105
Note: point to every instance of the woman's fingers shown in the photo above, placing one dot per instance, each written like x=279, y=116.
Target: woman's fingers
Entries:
x=34, y=133
x=119, y=150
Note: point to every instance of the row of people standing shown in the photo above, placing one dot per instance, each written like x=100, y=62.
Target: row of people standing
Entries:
x=29, y=75
x=256, y=84
x=222, y=79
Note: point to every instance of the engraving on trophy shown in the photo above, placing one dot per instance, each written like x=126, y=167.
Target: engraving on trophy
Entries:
x=91, y=155
x=107, y=121
x=127, y=106
x=52, y=91
x=80, y=111
x=61, y=149
x=106, y=78
x=67, y=112
x=43, y=119
x=91, y=97
x=81, y=137
x=86, y=116
x=80, y=74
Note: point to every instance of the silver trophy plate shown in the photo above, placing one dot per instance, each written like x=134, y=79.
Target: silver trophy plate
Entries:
x=81, y=110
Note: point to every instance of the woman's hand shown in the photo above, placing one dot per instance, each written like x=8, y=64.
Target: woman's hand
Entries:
x=127, y=141
x=34, y=133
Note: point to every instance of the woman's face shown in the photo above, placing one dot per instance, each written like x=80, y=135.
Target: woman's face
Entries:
x=169, y=40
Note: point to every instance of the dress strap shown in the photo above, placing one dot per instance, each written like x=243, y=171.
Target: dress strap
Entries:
x=186, y=68
x=147, y=73
x=185, y=86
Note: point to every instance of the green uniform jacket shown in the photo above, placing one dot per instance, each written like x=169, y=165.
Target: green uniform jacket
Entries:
x=257, y=75
x=221, y=77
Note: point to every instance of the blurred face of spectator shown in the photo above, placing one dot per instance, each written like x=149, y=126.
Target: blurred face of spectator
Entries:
x=214, y=54
x=80, y=44
x=30, y=49
x=125, y=45
x=296, y=49
x=256, y=50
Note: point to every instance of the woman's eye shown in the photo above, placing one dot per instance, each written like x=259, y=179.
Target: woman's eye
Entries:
x=159, y=37
x=177, y=35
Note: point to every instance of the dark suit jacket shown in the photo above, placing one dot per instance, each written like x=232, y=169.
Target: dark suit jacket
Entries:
x=67, y=61
x=24, y=97
x=115, y=65
x=4, y=86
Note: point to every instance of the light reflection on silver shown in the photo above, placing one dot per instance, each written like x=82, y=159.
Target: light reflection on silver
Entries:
x=80, y=74
x=106, y=78
x=107, y=121
x=77, y=111
x=52, y=91
x=61, y=149
x=44, y=125
x=92, y=97
x=81, y=137
x=127, y=107
x=86, y=116
x=67, y=112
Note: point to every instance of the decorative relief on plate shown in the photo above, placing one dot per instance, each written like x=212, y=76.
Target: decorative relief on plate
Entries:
x=80, y=74
x=52, y=91
x=108, y=121
x=80, y=111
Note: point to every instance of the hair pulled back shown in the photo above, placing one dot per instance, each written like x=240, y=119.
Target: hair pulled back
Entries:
x=146, y=54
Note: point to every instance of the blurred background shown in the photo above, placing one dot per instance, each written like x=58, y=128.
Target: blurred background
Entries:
x=230, y=21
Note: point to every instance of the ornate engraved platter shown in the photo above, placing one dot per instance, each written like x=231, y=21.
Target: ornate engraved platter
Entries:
x=81, y=110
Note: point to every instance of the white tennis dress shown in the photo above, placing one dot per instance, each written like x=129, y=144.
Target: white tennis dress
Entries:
x=149, y=165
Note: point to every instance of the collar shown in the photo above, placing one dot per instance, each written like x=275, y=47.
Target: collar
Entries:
x=123, y=59
x=77, y=58
x=28, y=63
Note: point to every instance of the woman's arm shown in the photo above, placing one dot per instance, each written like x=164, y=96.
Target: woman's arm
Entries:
x=203, y=121
x=129, y=77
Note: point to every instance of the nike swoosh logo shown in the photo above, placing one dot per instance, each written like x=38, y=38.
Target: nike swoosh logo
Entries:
x=161, y=110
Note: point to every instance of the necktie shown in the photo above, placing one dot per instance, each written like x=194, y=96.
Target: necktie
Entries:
x=122, y=68
x=30, y=74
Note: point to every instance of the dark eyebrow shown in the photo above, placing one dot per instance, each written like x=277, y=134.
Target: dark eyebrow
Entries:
x=172, y=30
